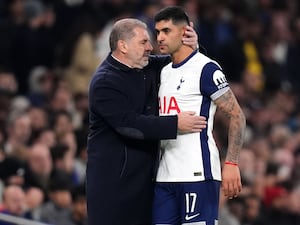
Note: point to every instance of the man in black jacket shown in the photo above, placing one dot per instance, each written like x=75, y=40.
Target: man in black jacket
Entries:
x=125, y=128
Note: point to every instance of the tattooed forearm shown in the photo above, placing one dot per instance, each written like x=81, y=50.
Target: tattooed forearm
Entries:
x=235, y=137
x=228, y=104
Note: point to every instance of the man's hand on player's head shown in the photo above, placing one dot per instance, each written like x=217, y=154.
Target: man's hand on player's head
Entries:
x=190, y=37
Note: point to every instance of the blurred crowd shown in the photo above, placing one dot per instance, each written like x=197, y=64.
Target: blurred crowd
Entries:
x=49, y=50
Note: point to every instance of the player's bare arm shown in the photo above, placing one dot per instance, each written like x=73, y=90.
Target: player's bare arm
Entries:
x=228, y=104
x=231, y=179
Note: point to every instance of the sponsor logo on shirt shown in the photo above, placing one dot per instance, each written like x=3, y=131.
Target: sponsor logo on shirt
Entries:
x=168, y=105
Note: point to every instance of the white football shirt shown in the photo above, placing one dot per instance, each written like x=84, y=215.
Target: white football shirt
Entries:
x=191, y=85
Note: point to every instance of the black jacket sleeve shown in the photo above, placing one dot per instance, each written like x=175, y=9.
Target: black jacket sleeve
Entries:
x=117, y=103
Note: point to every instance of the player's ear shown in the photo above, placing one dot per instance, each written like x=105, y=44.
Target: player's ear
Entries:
x=122, y=45
x=183, y=30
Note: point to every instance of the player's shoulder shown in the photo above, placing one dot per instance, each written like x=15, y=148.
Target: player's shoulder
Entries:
x=207, y=60
x=202, y=61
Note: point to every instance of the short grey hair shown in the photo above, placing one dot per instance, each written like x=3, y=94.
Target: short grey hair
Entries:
x=124, y=30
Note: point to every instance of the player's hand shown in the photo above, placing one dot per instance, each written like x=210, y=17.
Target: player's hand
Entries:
x=231, y=181
x=190, y=37
x=188, y=122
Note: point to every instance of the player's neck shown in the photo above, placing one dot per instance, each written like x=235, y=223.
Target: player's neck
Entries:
x=181, y=54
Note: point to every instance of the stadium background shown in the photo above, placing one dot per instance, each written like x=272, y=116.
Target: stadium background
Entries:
x=49, y=50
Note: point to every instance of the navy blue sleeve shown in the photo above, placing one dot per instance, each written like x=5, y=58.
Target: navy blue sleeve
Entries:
x=212, y=79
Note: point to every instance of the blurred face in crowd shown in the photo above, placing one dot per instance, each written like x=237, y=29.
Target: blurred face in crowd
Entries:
x=47, y=137
x=63, y=125
x=61, y=99
x=68, y=160
x=40, y=160
x=14, y=200
x=8, y=82
x=34, y=197
x=61, y=198
x=22, y=128
x=38, y=118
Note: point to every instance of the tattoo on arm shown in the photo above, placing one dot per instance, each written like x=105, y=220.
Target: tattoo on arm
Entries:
x=228, y=104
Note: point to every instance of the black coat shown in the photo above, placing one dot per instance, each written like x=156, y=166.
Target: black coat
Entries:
x=123, y=142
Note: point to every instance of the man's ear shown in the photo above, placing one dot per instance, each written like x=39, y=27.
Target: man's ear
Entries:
x=122, y=45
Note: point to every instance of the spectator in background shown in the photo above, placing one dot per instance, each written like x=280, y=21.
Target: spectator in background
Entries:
x=275, y=48
x=39, y=119
x=69, y=139
x=232, y=213
x=39, y=167
x=18, y=135
x=5, y=101
x=63, y=161
x=12, y=171
x=243, y=49
x=8, y=81
x=83, y=63
x=57, y=209
x=44, y=136
x=14, y=203
x=61, y=100
x=34, y=199
x=33, y=42
x=78, y=214
x=26, y=41
x=41, y=83
x=293, y=54
x=8, y=90
x=214, y=24
x=80, y=116
x=81, y=155
x=58, y=154
x=62, y=124
x=11, y=19
x=252, y=209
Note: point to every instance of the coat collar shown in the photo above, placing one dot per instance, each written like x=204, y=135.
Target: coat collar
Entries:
x=118, y=64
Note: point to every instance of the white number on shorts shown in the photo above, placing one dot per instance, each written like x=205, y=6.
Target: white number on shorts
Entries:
x=190, y=202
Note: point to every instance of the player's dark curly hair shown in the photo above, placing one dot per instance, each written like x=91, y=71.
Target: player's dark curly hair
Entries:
x=174, y=13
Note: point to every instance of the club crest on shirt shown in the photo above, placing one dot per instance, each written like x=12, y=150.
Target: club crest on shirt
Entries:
x=181, y=81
